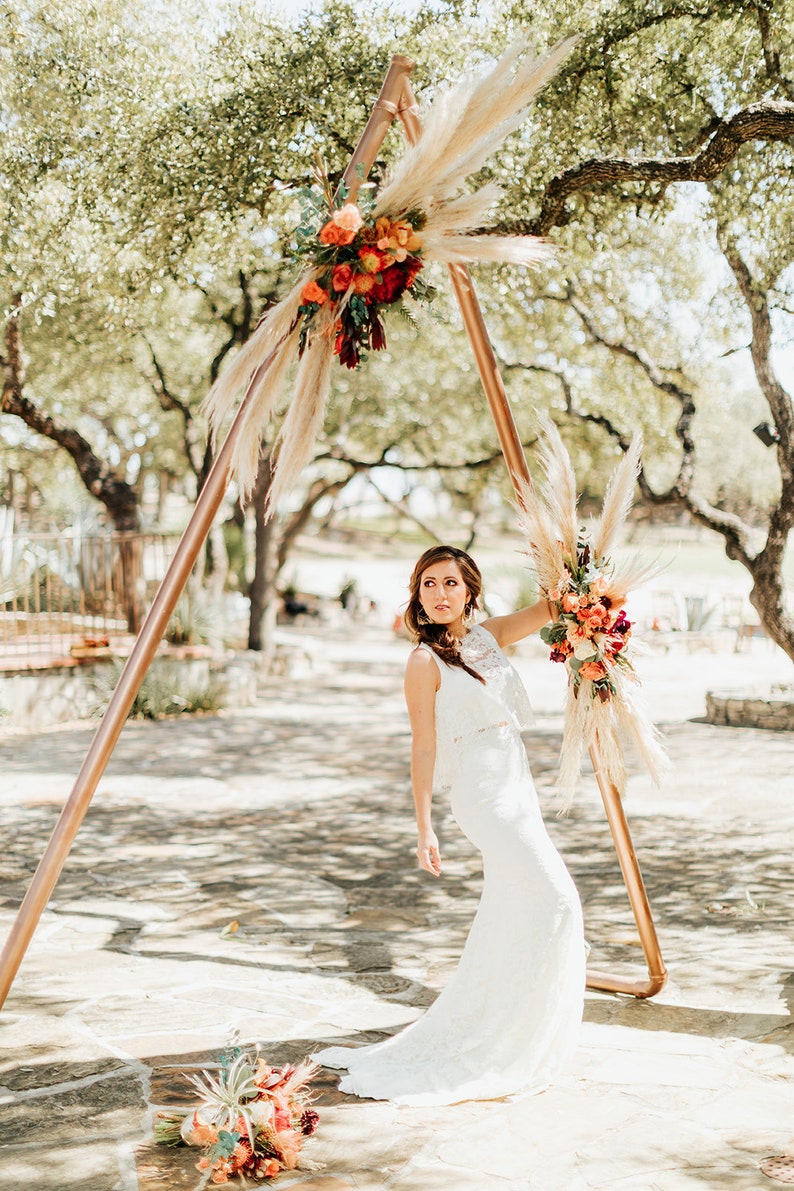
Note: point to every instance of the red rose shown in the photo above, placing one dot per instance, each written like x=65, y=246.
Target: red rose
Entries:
x=342, y=276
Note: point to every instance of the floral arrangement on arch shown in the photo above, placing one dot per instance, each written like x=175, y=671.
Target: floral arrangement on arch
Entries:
x=252, y=1121
x=591, y=633
x=360, y=258
x=360, y=264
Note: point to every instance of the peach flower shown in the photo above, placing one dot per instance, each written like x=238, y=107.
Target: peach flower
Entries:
x=398, y=237
x=348, y=218
x=289, y=1145
x=570, y=602
x=196, y=1132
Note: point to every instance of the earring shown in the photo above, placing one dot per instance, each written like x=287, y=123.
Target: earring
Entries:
x=468, y=614
x=422, y=617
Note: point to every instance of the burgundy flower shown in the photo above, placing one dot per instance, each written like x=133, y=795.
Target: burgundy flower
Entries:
x=377, y=332
x=390, y=286
x=347, y=350
x=309, y=1122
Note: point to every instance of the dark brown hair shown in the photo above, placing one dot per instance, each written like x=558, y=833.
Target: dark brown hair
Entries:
x=443, y=643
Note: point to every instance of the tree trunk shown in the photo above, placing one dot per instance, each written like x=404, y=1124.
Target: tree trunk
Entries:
x=129, y=583
x=119, y=498
x=263, y=594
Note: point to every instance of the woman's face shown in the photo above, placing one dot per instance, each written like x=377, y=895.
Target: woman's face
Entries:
x=443, y=594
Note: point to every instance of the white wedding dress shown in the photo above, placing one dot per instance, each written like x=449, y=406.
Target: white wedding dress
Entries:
x=508, y=1020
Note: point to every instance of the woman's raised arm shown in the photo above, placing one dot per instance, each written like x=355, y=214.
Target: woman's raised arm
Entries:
x=517, y=625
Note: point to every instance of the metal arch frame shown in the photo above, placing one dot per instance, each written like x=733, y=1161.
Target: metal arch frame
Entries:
x=396, y=99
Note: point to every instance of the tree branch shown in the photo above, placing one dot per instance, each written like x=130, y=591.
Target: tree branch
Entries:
x=301, y=517
x=766, y=120
x=735, y=532
x=771, y=53
x=779, y=400
x=401, y=507
x=118, y=497
x=171, y=403
x=430, y=465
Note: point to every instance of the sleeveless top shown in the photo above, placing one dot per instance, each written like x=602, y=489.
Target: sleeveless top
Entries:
x=465, y=708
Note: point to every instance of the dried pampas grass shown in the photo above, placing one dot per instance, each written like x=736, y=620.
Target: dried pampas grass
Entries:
x=464, y=126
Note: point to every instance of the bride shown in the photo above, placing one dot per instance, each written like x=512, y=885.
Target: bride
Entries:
x=508, y=1020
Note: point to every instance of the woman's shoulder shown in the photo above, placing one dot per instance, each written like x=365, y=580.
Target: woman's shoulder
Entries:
x=422, y=664
x=420, y=657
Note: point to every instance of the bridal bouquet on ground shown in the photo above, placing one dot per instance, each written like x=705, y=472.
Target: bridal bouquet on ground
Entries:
x=252, y=1120
x=591, y=632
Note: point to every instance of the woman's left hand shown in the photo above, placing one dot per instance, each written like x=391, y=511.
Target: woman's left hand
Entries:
x=427, y=853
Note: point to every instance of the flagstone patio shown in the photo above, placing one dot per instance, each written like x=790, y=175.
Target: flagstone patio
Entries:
x=249, y=878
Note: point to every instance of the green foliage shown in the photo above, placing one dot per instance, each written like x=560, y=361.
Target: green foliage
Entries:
x=156, y=162
x=161, y=696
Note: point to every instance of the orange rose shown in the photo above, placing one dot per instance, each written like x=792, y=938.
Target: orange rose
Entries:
x=592, y=670
x=342, y=276
x=330, y=233
x=312, y=292
x=571, y=603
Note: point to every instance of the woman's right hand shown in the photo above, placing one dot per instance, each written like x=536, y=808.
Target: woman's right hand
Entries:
x=427, y=853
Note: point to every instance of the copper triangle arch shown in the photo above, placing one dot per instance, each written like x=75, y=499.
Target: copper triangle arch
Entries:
x=396, y=99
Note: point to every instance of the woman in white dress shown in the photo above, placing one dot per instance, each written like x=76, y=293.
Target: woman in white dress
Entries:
x=508, y=1020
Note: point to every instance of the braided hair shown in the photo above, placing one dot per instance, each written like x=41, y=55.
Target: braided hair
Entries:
x=423, y=631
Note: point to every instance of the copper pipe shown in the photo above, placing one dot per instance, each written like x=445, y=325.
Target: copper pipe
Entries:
x=383, y=112
x=207, y=505
x=518, y=469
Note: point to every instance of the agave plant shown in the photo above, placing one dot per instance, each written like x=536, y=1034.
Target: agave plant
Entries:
x=228, y=1097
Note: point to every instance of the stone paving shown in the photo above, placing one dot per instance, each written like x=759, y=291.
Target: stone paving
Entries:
x=249, y=878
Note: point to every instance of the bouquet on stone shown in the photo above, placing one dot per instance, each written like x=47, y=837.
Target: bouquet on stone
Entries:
x=591, y=632
x=252, y=1120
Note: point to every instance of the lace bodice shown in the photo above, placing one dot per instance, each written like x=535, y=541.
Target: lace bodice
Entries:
x=465, y=708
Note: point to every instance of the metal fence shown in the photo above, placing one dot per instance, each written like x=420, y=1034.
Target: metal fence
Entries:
x=71, y=594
